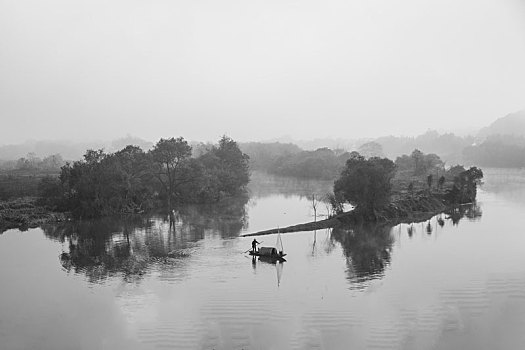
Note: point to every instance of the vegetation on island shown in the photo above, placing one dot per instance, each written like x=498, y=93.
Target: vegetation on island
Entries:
x=379, y=188
x=132, y=180
x=413, y=188
x=366, y=183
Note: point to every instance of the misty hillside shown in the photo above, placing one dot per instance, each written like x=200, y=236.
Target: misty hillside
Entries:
x=448, y=146
x=501, y=144
x=511, y=124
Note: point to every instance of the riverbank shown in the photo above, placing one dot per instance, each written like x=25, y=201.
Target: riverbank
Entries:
x=24, y=213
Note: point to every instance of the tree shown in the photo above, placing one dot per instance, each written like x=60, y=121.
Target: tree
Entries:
x=131, y=163
x=226, y=169
x=366, y=183
x=465, y=185
x=441, y=182
x=429, y=181
x=410, y=188
x=419, y=163
x=314, y=204
x=170, y=159
x=336, y=203
x=418, y=158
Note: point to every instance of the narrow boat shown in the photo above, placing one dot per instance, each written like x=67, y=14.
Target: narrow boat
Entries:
x=274, y=253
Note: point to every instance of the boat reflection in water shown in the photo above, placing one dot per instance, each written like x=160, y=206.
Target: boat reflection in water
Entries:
x=279, y=265
x=271, y=255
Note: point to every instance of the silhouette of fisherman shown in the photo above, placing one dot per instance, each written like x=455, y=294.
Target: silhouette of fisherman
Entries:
x=254, y=245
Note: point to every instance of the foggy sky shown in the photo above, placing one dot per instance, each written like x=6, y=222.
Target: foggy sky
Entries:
x=254, y=70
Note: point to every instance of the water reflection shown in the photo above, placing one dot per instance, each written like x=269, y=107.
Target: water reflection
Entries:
x=263, y=185
x=279, y=266
x=226, y=218
x=367, y=249
x=131, y=246
x=471, y=211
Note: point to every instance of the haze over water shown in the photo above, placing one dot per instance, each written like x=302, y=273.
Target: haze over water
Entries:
x=139, y=284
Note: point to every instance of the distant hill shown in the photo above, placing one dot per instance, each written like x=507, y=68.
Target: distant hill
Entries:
x=501, y=144
x=511, y=124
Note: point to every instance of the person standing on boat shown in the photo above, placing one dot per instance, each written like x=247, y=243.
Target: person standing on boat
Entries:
x=254, y=245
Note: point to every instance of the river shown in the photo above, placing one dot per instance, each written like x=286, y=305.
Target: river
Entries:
x=453, y=282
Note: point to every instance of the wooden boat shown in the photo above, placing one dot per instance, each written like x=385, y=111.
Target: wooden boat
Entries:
x=273, y=253
x=268, y=253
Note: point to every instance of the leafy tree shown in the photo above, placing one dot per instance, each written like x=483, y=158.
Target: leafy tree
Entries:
x=235, y=170
x=336, y=203
x=86, y=185
x=104, y=184
x=441, y=182
x=465, y=186
x=51, y=193
x=419, y=163
x=418, y=160
x=455, y=171
x=170, y=160
x=132, y=164
x=226, y=169
x=366, y=183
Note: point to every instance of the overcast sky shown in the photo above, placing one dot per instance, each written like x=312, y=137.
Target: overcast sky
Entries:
x=254, y=70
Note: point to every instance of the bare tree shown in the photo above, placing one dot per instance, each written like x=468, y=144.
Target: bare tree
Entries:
x=314, y=204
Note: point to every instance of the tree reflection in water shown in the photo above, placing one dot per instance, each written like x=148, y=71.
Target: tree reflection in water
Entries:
x=131, y=246
x=471, y=211
x=367, y=249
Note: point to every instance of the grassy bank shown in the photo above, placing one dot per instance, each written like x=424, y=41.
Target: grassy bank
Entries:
x=24, y=213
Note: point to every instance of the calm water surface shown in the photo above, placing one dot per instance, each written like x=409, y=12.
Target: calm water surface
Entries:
x=454, y=282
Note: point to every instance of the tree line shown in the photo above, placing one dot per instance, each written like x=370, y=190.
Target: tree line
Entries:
x=286, y=159
x=32, y=163
x=132, y=180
